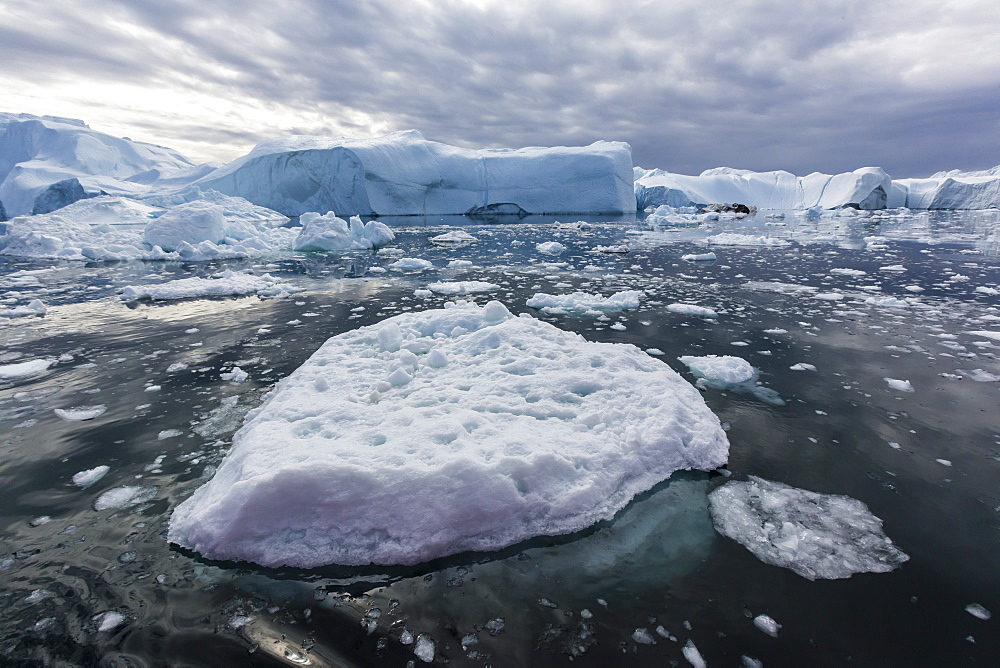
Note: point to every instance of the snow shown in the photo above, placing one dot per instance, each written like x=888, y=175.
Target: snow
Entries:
x=404, y=174
x=462, y=287
x=866, y=188
x=442, y=431
x=693, y=309
x=901, y=385
x=226, y=283
x=24, y=369
x=90, y=476
x=585, y=303
x=124, y=497
x=34, y=307
x=720, y=370
x=81, y=413
x=819, y=536
x=330, y=233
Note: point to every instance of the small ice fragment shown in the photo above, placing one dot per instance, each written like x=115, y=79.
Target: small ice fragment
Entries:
x=692, y=655
x=168, y=433
x=901, y=385
x=90, y=476
x=802, y=366
x=424, y=648
x=642, y=636
x=698, y=257
x=24, y=369
x=943, y=462
x=109, y=621
x=767, y=624
x=693, y=309
x=586, y=614
x=40, y=520
x=978, y=611
x=750, y=662
x=123, y=497
x=80, y=413
x=550, y=248
x=176, y=366
x=153, y=388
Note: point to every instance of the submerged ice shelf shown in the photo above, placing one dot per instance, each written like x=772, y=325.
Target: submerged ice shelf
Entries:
x=433, y=433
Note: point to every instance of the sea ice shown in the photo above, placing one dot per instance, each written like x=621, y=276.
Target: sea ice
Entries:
x=582, y=302
x=720, y=370
x=109, y=621
x=733, y=239
x=978, y=611
x=124, y=497
x=462, y=287
x=90, y=476
x=550, y=248
x=411, y=264
x=901, y=385
x=825, y=536
x=225, y=284
x=80, y=413
x=34, y=307
x=453, y=237
x=767, y=624
x=330, y=233
x=24, y=369
x=437, y=432
x=699, y=257
x=693, y=309
x=693, y=656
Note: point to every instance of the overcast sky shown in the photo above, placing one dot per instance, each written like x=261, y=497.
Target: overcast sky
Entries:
x=802, y=85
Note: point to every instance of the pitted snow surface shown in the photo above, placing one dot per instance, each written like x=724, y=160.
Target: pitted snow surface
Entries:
x=432, y=433
x=824, y=536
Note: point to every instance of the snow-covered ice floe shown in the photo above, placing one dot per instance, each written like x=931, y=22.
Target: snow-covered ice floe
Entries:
x=225, y=284
x=584, y=303
x=442, y=431
x=819, y=536
x=726, y=372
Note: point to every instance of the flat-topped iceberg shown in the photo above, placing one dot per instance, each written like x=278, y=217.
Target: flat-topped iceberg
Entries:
x=865, y=188
x=404, y=174
x=447, y=430
x=949, y=190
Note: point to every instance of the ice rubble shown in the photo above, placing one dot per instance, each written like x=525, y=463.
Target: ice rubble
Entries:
x=431, y=433
x=865, y=188
x=404, y=174
x=825, y=536
x=585, y=303
x=37, y=152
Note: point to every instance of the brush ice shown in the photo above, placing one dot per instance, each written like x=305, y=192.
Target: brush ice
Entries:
x=432, y=433
x=720, y=370
x=582, y=302
x=227, y=283
x=330, y=233
x=24, y=369
x=404, y=174
x=819, y=536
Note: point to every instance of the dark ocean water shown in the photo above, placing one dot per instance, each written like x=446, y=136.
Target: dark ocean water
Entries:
x=927, y=462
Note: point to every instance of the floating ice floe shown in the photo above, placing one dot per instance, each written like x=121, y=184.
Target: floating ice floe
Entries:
x=90, y=476
x=985, y=334
x=729, y=373
x=819, y=536
x=733, y=239
x=767, y=624
x=618, y=249
x=802, y=366
x=81, y=413
x=584, y=303
x=453, y=237
x=699, y=257
x=462, y=287
x=225, y=284
x=330, y=233
x=125, y=497
x=979, y=612
x=693, y=309
x=900, y=385
x=550, y=248
x=432, y=433
x=24, y=369
x=411, y=264
x=34, y=307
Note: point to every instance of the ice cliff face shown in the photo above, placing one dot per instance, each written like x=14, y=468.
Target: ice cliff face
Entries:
x=951, y=190
x=37, y=152
x=865, y=188
x=404, y=174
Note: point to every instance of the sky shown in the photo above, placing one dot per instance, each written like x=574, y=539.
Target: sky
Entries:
x=912, y=86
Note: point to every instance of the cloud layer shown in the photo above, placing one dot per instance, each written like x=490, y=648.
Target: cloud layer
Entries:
x=830, y=85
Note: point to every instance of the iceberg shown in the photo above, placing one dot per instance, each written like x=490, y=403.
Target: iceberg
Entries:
x=824, y=536
x=949, y=190
x=443, y=431
x=330, y=233
x=404, y=174
x=865, y=188
x=37, y=152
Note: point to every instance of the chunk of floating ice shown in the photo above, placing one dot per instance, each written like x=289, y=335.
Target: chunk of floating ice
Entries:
x=985, y=334
x=109, y=621
x=901, y=385
x=699, y=257
x=411, y=264
x=642, y=636
x=34, y=307
x=453, y=237
x=123, y=497
x=227, y=283
x=825, y=536
x=802, y=366
x=978, y=611
x=24, y=369
x=620, y=249
x=81, y=413
x=692, y=655
x=236, y=375
x=517, y=429
x=767, y=624
x=731, y=239
x=693, y=309
x=550, y=247
x=462, y=287
x=582, y=302
x=424, y=648
x=90, y=476
x=459, y=264
x=720, y=370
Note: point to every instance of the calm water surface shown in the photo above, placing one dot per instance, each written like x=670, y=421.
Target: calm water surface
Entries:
x=927, y=462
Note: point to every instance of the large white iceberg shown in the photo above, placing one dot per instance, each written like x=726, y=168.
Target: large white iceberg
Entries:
x=38, y=152
x=404, y=174
x=949, y=190
x=865, y=188
x=432, y=433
